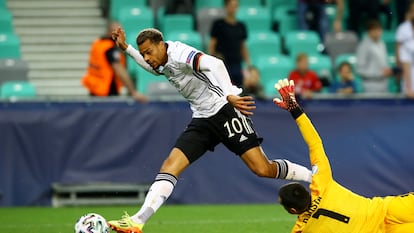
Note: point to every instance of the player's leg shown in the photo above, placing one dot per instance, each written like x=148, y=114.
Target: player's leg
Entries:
x=238, y=135
x=400, y=213
x=158, y=193
x=258, y=162
x=190, y=146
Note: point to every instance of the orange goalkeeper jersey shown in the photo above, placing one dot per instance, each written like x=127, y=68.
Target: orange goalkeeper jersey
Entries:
x=334, y=208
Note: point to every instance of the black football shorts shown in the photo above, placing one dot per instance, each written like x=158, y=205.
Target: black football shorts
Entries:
x=228, y=126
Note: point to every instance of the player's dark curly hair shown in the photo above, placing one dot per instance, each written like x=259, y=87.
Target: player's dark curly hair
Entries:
x=295, y=195
x=152, y=34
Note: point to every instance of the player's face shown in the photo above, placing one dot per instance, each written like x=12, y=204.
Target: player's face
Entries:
x=155, y=54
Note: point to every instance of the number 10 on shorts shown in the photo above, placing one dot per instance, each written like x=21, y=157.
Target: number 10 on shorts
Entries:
x=236, y=126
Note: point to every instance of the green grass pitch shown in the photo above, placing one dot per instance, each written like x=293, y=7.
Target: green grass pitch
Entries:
x=170, y=218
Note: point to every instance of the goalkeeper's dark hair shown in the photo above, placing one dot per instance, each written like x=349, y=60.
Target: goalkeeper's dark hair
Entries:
x=295, y=196
x=152, y=34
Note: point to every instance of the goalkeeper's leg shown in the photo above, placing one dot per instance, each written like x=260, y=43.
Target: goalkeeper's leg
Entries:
x=158, y=193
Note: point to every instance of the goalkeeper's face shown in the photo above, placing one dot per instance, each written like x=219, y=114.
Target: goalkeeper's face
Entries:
x=295, y=198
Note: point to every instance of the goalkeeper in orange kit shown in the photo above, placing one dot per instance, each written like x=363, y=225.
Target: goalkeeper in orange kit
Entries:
x=329, y=207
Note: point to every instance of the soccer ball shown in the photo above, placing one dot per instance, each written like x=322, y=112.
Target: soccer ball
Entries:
x=91, y=223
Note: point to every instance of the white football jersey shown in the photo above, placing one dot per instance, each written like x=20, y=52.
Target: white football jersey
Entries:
x=203, y=92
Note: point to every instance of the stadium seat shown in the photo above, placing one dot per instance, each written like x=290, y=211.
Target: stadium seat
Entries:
x=273, y=4
x=3, y=4
x=9, y=45
x=6, y=21
x=389, y=39
x=255, y=18
x=132, y=66
x=117, y=5
x=199, y=4
x=177, y=23
x=322, y=65
x=254, y=3
x=206, y=18
x=144, y=79
x=272, y=69
x=263, y=44
x=133, y=20
x=191, y=38
x=340, y=43
x=13, y=70
x=285, y=19
x=17, y=89
x=302, y=42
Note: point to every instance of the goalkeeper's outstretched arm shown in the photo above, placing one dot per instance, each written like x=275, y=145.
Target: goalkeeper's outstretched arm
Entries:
x=317, y=154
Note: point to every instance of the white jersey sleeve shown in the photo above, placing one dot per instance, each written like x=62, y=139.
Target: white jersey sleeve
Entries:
x=200, y=62
x=132, y=52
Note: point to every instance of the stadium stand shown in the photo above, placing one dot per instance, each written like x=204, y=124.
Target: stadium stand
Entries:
x=13, y=70
x=179, y=22
x=322, y=65
x=116, y=5
x=302, y=42
x=256, y=18
x=135, y=19
x=340, y=43
x=199, y=4
x=263, y=44
x=284, y=19
x=254, y=3
x=9, y=45
x=272, y=69
x=191, y=38
x=17, y=89
x=205, y=20
x=55, y=41
x=6, y=21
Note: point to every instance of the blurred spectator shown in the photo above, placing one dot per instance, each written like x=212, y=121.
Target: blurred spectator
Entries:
x=228, y=42
x=372, y=64
x=401, y=9
x=306, y=81
x=312, y=15
x=345, y=83
x=179, y=7
x=251, y=84
x=406, y=55
x=361, y=12
x=106, y=71
x=405, y=30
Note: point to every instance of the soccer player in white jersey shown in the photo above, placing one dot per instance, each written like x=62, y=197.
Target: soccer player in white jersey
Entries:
x=219, y=116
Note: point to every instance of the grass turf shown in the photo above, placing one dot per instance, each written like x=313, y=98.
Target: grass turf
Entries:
x=170, y=218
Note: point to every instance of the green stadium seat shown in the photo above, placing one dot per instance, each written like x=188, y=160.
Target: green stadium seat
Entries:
x=393, y=83
x=116, y=6
x=144, y=79
x=3, y=4
x=133, y=20
x=177, y=23
x=9, y=45
x=17, y=89
x=132, y=66
x=199, y=4
x=302, y=42
x=255, y=18
x=191, y=38
x=321, y=64
x=273, y=4
x=6, y=21
x=272, y=69
x=285, y=17
x=389, y=39
x=263, y=44
x=254, y=3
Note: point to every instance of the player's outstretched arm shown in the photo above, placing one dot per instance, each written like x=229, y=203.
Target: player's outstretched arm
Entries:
x=317, y=154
